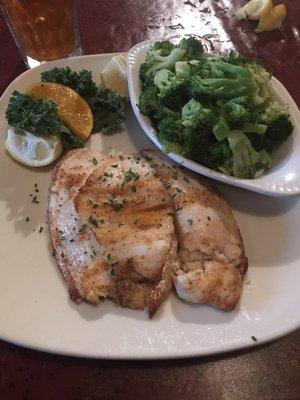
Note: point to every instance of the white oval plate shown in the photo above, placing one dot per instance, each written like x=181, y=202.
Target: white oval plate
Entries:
x=282, y=180
x=35, y=309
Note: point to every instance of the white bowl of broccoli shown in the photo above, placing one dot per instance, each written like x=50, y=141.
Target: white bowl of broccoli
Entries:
x=221, y=116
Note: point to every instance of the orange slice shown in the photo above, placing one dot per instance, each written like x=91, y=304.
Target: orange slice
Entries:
x=72, y=109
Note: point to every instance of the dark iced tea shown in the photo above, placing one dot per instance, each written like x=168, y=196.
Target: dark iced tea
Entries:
x=43, y=29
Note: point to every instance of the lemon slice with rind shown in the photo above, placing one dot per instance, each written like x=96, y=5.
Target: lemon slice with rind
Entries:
x=254, y=9
x=33, y=150
x=114, y=75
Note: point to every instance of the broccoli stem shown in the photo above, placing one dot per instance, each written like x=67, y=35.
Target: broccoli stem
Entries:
x=260, y=129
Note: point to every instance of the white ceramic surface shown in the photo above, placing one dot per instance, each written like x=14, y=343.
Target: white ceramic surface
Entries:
x=35, y=309
x=282, y=180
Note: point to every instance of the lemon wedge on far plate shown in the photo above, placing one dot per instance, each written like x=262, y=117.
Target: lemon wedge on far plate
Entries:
x=114, y=75
x=254, y=9
x=32, y=150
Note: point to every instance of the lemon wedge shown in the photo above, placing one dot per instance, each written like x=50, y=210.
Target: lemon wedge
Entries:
x=271, y=19
x=32, y=150
x=254, y=9
x=114, y=75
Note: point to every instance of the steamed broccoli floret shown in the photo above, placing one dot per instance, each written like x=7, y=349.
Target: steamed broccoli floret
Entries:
x=220, y=128
x=192, y=47
x=235, y=112
x=218, y=88
x=246, y=161
x=279, y=129
x=164, y=79
x=148, y=101
x=273, y=111
x=164, y=47
x=156, y=61
x=171, y=90
x=276, y=133
x=259, y=129
x=193, y=114
x=169, y=125
x=200, y=145
x=234, y=58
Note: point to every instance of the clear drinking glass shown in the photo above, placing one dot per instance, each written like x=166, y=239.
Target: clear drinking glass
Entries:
x=43, y=29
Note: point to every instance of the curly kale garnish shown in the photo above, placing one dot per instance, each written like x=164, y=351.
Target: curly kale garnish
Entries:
x=108, y=107
x=38, y=116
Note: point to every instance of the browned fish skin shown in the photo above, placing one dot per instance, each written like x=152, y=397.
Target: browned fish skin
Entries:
x=146, y=295
x=77, y=252
x=83, y=261
x=211, y=253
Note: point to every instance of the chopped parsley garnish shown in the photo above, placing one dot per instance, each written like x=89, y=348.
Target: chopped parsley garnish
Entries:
x=190, y=221
x=27, y=219
x=82, y=228
x=93, y=221
x=104, y=176
x=94, y=161
x=35, y=200
x=131, y=176
x=177, y=191
x=41, y=229
x=115, y=204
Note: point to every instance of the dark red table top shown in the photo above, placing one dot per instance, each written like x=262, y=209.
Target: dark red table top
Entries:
x=267, y=372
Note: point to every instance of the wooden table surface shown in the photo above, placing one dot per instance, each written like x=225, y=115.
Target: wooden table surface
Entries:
x=270, y=371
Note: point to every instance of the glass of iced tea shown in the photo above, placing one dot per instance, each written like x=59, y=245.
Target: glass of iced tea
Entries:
x=43, y=29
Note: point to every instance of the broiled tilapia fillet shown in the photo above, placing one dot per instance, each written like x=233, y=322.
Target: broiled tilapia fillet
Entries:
x=115, y=221
x=76, y=249
x=212, y=259
x=131, y=259
x=130, y=212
